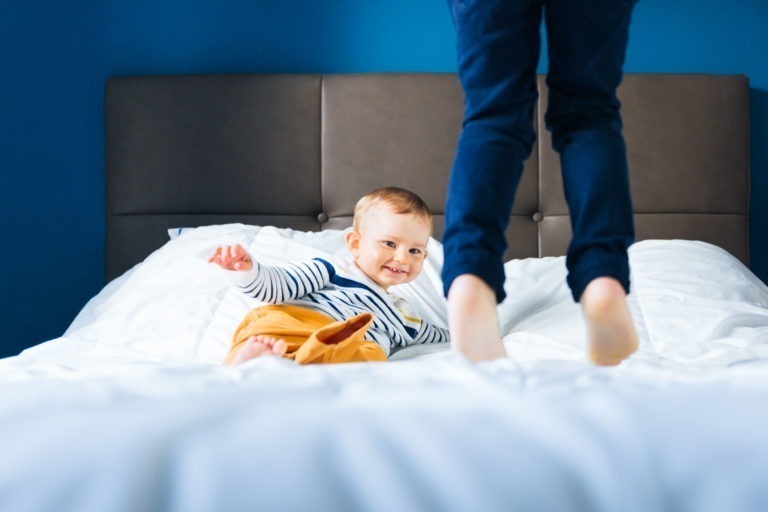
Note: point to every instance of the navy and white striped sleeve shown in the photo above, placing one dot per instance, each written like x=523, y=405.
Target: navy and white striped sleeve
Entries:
x=429, y=333
x=275, y=285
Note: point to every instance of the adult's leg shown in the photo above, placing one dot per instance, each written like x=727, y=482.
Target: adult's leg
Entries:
x=587, y=44
x=498, y=48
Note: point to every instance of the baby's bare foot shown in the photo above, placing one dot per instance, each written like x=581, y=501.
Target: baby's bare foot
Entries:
x=472, y=319
x=257, y=346
x=610, y=331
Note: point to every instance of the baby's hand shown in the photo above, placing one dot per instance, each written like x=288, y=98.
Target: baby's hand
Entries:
x=232, y=257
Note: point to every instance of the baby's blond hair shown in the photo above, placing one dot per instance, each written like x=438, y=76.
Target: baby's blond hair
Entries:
x=398, y=200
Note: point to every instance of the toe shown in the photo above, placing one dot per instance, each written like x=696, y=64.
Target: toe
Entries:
x=279, y=348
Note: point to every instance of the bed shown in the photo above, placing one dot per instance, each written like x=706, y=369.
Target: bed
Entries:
x=131, y=408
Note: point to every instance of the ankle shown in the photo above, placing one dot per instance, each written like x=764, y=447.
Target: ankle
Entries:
x=470, y=291
x=602, y=293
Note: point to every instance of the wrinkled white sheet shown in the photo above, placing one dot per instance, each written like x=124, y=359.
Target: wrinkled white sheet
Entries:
x=131, y=410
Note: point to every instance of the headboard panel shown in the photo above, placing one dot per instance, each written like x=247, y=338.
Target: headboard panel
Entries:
x=299, y=150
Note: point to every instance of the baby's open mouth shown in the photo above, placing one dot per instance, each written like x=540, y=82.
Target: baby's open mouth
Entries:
x=395, y=270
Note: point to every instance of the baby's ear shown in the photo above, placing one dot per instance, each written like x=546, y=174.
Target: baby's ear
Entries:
x=352, y=239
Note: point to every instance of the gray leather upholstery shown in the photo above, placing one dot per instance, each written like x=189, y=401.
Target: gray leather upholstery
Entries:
x=299, y=150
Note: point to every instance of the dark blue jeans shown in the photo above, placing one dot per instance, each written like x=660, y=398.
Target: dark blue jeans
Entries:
x=498, y=43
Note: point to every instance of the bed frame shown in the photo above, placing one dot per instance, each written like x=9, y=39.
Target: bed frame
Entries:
x=299, y=150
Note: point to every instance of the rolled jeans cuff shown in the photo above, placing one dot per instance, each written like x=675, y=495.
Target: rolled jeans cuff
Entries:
x=616, y=266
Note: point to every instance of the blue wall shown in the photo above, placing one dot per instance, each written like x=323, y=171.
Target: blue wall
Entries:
x=55, y=57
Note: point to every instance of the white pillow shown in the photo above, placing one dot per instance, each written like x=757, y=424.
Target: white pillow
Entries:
x=697, y=302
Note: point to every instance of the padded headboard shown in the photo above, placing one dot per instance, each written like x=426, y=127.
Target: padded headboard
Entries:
x=299, y=150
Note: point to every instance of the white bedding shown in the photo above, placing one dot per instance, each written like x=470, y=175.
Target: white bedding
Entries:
x=131, y=410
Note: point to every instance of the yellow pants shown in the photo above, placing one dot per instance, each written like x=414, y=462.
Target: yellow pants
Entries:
x=311, y=337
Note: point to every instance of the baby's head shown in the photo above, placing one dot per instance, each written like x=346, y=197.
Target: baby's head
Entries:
x=389, y=235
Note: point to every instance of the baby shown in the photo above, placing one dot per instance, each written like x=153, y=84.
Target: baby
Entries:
x=321, y=312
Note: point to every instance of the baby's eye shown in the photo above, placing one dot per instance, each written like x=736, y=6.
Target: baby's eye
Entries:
x=389, y=244
x=415, y=251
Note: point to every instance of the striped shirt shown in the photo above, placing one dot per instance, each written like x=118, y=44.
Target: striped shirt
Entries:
x=318, y=285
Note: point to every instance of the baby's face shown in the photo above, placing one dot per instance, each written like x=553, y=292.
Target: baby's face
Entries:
x=390, y=248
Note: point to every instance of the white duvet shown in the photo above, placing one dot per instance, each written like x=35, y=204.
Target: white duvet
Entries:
x=131, y=409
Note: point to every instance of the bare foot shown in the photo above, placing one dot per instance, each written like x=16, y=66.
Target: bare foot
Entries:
x=610, y=331
x=472, y=319
x=257, y=346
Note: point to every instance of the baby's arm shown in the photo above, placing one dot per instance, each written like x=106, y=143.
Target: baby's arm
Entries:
x=273, y=285
x=429, y=333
